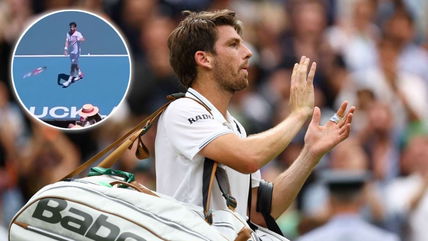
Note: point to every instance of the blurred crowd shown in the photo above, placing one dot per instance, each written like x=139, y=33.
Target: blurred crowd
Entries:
x=373, y=53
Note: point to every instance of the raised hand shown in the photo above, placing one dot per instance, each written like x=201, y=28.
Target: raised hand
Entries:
x=321, y=139
x=302, y=88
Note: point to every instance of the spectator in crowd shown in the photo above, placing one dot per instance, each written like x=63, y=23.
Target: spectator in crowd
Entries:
x=404, y=93
x=407, y=197
x=14, y=16
x=49, y=156
x=351, y=157
x=12, y=140
x=89, y=115
x=355, y=35
x=412, y=58
x=379, y=142
x=346, y=200
x=154, y=78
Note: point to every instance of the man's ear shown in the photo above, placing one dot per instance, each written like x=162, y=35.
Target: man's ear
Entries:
x=204, y=59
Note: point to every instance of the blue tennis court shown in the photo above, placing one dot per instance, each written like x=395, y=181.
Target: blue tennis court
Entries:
x=106, y=78
x=107, y=70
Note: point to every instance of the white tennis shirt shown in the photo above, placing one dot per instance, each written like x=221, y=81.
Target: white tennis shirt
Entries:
x=183, y=130
x=73, y=43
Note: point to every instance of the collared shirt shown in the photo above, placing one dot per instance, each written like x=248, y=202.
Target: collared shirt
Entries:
x=184, y=129
x=348, y=227
x=73, y=43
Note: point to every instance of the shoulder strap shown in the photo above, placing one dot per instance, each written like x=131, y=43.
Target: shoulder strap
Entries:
x=264, y=205
x=211, y=170
x=223, y=184
x=249, y=203
x=126, y=141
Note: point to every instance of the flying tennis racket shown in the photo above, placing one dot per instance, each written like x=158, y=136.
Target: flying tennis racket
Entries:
x=35, y=72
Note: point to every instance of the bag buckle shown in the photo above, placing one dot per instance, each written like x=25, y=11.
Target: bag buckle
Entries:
x=209, y=216
x=230, y=201
x=175, y=96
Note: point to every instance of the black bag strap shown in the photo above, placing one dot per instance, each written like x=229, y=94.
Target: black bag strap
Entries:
x=264, y=205
x=264, y=195
x=249, y=203
x=223, y=184
x=211, y=170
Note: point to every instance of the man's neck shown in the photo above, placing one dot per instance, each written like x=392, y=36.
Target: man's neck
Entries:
x=219, y=97
x=345, y=209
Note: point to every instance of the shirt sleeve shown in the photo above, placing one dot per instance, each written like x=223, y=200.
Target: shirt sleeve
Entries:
x=190, y=127
x=255, y=179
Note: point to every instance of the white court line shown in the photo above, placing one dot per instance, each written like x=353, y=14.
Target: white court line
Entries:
x=59, y=55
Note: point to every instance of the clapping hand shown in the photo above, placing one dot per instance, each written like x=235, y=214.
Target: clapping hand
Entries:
x=302, y=88
x=321, y=139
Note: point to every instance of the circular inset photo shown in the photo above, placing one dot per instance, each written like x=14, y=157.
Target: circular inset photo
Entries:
x=71, y=69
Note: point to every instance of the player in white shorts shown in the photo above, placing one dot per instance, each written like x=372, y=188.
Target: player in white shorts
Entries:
x=72, y=48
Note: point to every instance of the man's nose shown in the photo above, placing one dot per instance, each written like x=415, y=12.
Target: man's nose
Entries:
x=248, y=52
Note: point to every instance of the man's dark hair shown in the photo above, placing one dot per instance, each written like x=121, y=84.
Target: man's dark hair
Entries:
x=197, y=32
x=345, y=192
x=72, y=24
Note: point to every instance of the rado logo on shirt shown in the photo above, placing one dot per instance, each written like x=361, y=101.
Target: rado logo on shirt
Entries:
x=200, y=117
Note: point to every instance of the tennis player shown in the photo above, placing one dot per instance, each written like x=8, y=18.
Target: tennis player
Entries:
x=72, y=48
x=211, y=59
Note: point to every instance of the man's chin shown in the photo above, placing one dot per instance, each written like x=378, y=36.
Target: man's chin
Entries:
x=241, y=86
